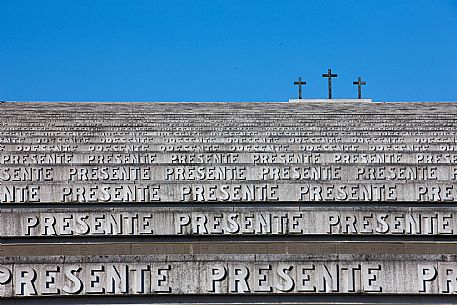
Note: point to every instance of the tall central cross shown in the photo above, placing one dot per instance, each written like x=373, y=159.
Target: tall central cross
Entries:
x=359, y=84
x=329, y=75
x=299, y=83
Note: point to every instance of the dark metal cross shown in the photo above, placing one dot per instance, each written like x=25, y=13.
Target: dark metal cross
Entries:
x=329, y=75
x=299, y=83
x=359, y=84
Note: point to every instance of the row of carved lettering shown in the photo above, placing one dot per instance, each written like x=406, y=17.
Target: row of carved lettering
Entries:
x=119, y=120
x=322, y=144
x=361, y=128
x=233, y=132
x=268, y=147
x=252, y=119
x=221, y=173
x=363, y=131
x=68, y=158
x=136, y=140
x=209, y=277
x=224, y=192
x=225, y=222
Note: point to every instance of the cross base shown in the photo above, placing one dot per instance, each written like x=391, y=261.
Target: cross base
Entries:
x=338, y=100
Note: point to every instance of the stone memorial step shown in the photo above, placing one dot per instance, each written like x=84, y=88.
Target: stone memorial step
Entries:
x=391, y=274
x=220, y=221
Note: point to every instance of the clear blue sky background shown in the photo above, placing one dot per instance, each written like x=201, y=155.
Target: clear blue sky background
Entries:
x=226, y=50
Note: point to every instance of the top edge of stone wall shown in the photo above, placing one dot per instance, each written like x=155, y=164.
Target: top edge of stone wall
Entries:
x=293, y=103
x=323, y=107
x=230, y=102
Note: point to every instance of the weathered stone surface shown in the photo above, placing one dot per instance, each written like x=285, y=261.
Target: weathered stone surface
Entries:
x=171, y=192
x=228, y=221
x=192, y=247
x=207, y=199
x=229, y=274
x=227, y=152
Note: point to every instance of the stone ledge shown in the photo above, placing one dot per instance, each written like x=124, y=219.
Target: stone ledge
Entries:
x=344, y=100
x=318, y=247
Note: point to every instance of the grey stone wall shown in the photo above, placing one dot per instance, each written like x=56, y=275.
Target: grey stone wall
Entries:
x=272, y=200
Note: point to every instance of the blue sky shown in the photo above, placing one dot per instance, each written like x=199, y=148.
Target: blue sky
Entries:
x=226, y=50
